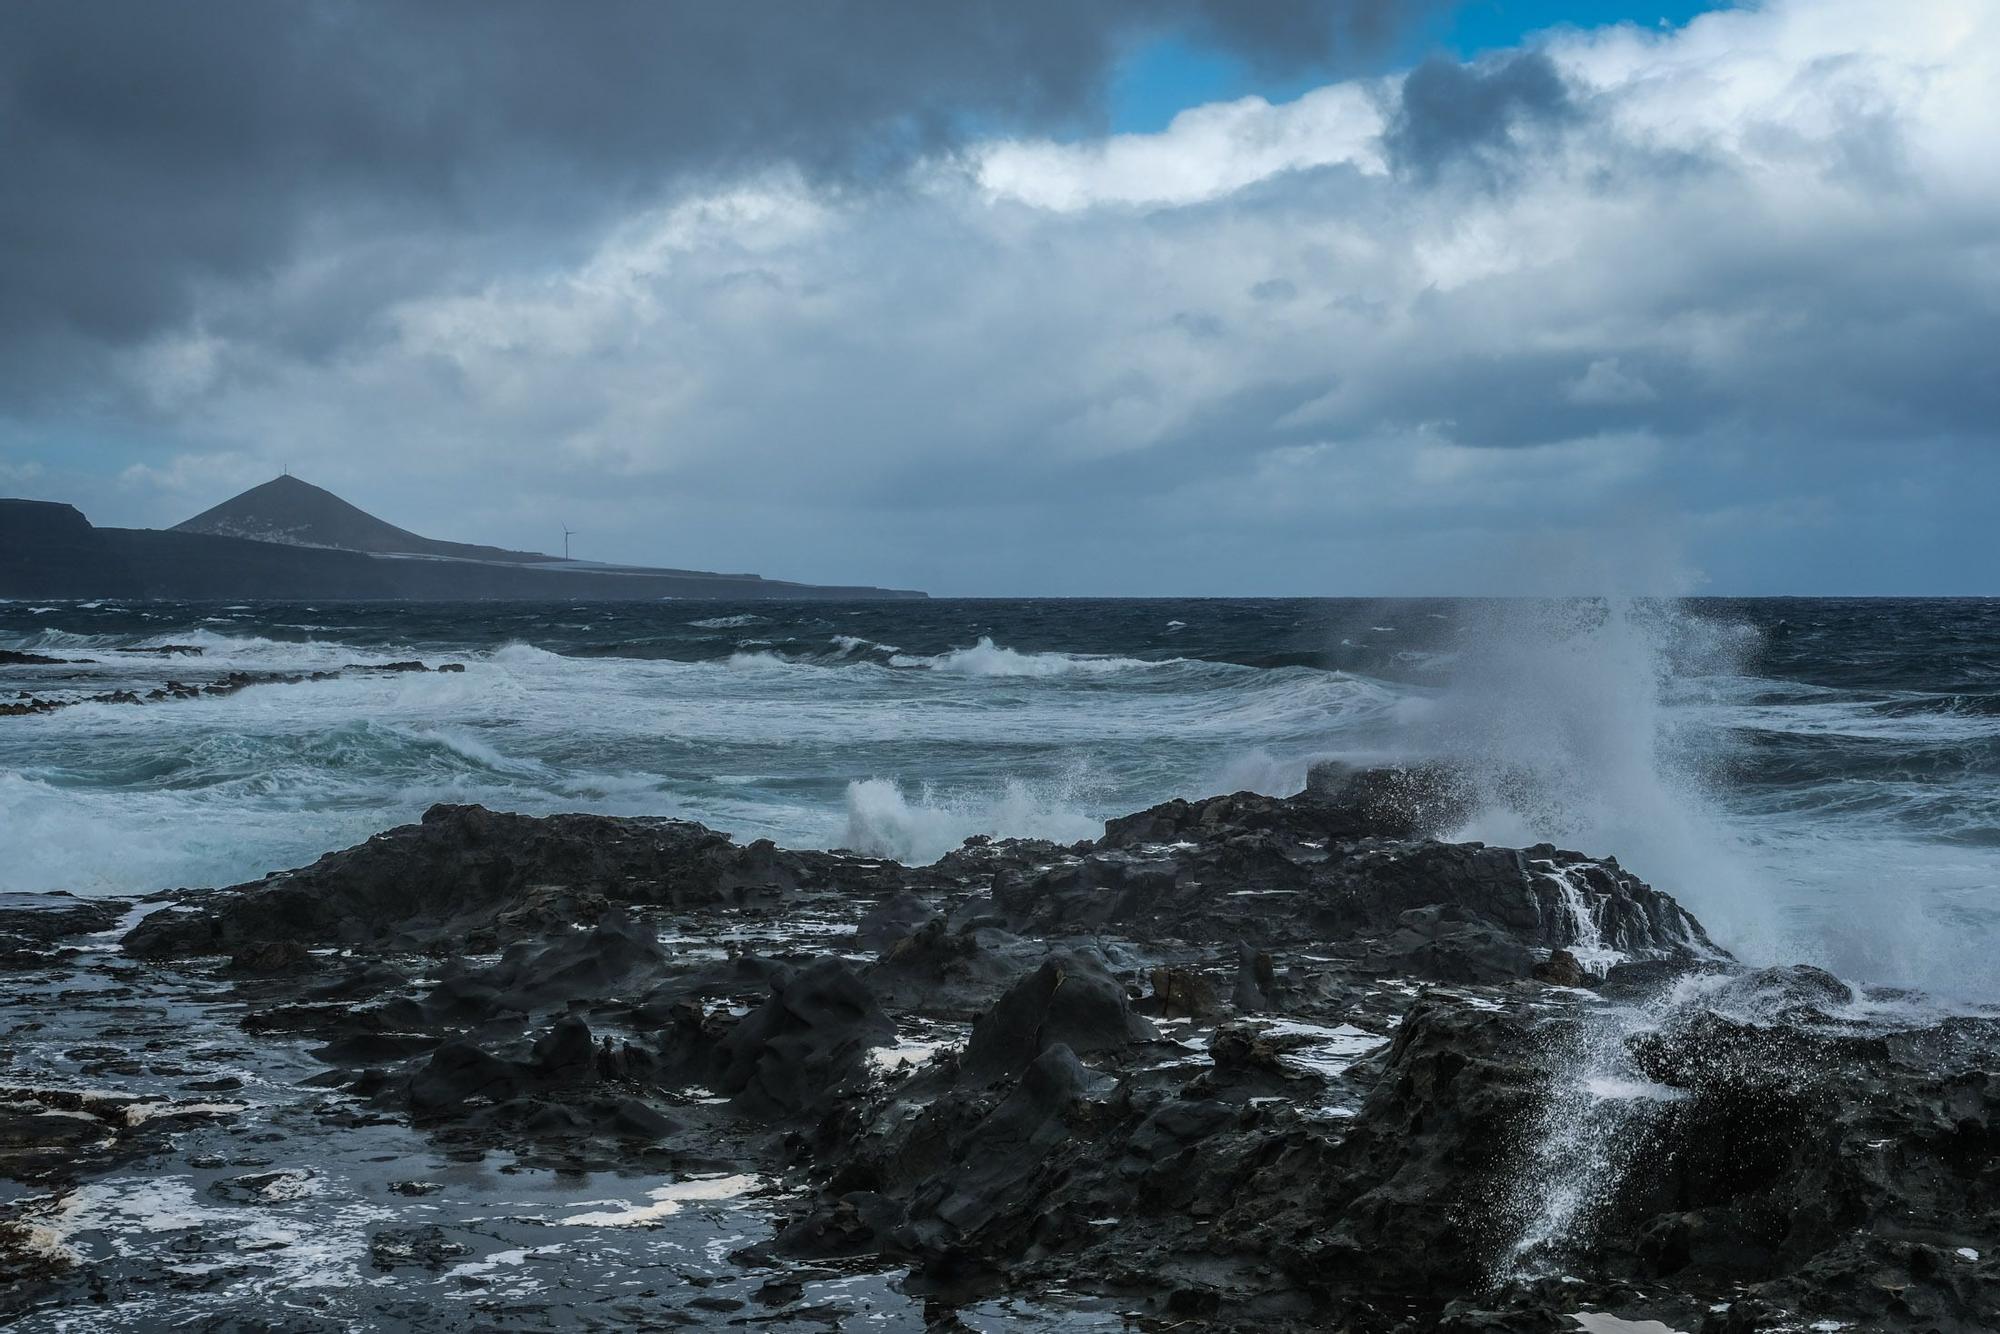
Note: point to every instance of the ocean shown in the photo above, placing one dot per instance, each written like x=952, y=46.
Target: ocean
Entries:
x=1817, y=779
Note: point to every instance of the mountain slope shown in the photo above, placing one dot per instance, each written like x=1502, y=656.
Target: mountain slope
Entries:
x=288, y=511
x=49, y=550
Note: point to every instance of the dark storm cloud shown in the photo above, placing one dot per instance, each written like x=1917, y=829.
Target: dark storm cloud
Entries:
x=154, y=152
x=457, y=270
x=1450, y=112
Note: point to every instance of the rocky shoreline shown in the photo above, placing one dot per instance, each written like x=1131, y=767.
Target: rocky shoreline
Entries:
x=1244, y=1062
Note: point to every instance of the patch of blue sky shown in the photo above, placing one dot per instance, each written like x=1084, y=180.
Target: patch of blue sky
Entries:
x=1165, y=77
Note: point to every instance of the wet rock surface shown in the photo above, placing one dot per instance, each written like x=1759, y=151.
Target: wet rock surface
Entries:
x=39, y=931
x=1241, y=1063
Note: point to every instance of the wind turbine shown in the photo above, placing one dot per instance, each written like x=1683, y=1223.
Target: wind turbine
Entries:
x=568, y=532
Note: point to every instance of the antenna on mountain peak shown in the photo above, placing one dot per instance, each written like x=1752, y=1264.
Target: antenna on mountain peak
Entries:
x=568, y=532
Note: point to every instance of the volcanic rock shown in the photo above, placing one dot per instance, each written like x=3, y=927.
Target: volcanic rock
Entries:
x=1367, y=1117
x=1561, y=969
x=944, y=971
x=426, y=1247
x=1070, y=1001
x=34, y=935
x=273, y=956
x=803, y=1043
x=1181, y=991
x=997, y=1164
x=467, y=871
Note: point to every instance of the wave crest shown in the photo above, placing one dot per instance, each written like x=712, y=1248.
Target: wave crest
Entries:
x=986, y=658
x=884, y=821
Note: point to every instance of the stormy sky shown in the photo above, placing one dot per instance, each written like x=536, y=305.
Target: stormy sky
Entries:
x=1181, y=297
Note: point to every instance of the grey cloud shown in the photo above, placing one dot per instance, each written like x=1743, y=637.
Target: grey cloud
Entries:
x=1283, y=38
x=925, y=386
x=1489, y=395
x=1200, y=325
x=1448, y=112
x=159, y=155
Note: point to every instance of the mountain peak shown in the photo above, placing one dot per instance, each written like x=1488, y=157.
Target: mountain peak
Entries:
x=293, y=512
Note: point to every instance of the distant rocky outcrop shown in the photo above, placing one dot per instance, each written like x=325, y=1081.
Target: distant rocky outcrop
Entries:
x=27, y=702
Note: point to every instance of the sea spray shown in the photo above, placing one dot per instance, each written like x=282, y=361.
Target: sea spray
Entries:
x=1596, y=1129
x=1645, y=729
x=1578, y=1147
x=1566, y=714
x=1584, y=722
x=884, y=821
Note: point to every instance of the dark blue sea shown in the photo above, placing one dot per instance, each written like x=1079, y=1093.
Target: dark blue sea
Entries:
x=1816, y=779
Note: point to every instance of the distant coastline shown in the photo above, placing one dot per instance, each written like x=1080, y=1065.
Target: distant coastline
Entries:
x=288, y=539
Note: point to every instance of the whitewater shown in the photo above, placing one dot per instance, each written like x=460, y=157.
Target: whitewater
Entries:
x=1816, y=780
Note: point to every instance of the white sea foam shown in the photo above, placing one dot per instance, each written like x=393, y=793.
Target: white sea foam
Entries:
x=280, y=1250
x=520, y=654
x=762, y=660
x=904, y=1054
x=985, y=658
x=849, y=645
x=468, y=745
x=1329, y=1050
x=664, y=1202
x=886, y=822
x=1596, y=1322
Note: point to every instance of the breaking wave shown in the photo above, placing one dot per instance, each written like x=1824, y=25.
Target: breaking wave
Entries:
x=1564, y=712
x=1815, y=779
x=987, y=658
x=1796, y=822
x=884, y=820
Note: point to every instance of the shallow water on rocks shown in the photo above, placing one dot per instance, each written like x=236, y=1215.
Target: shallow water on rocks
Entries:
x=265, y=1198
